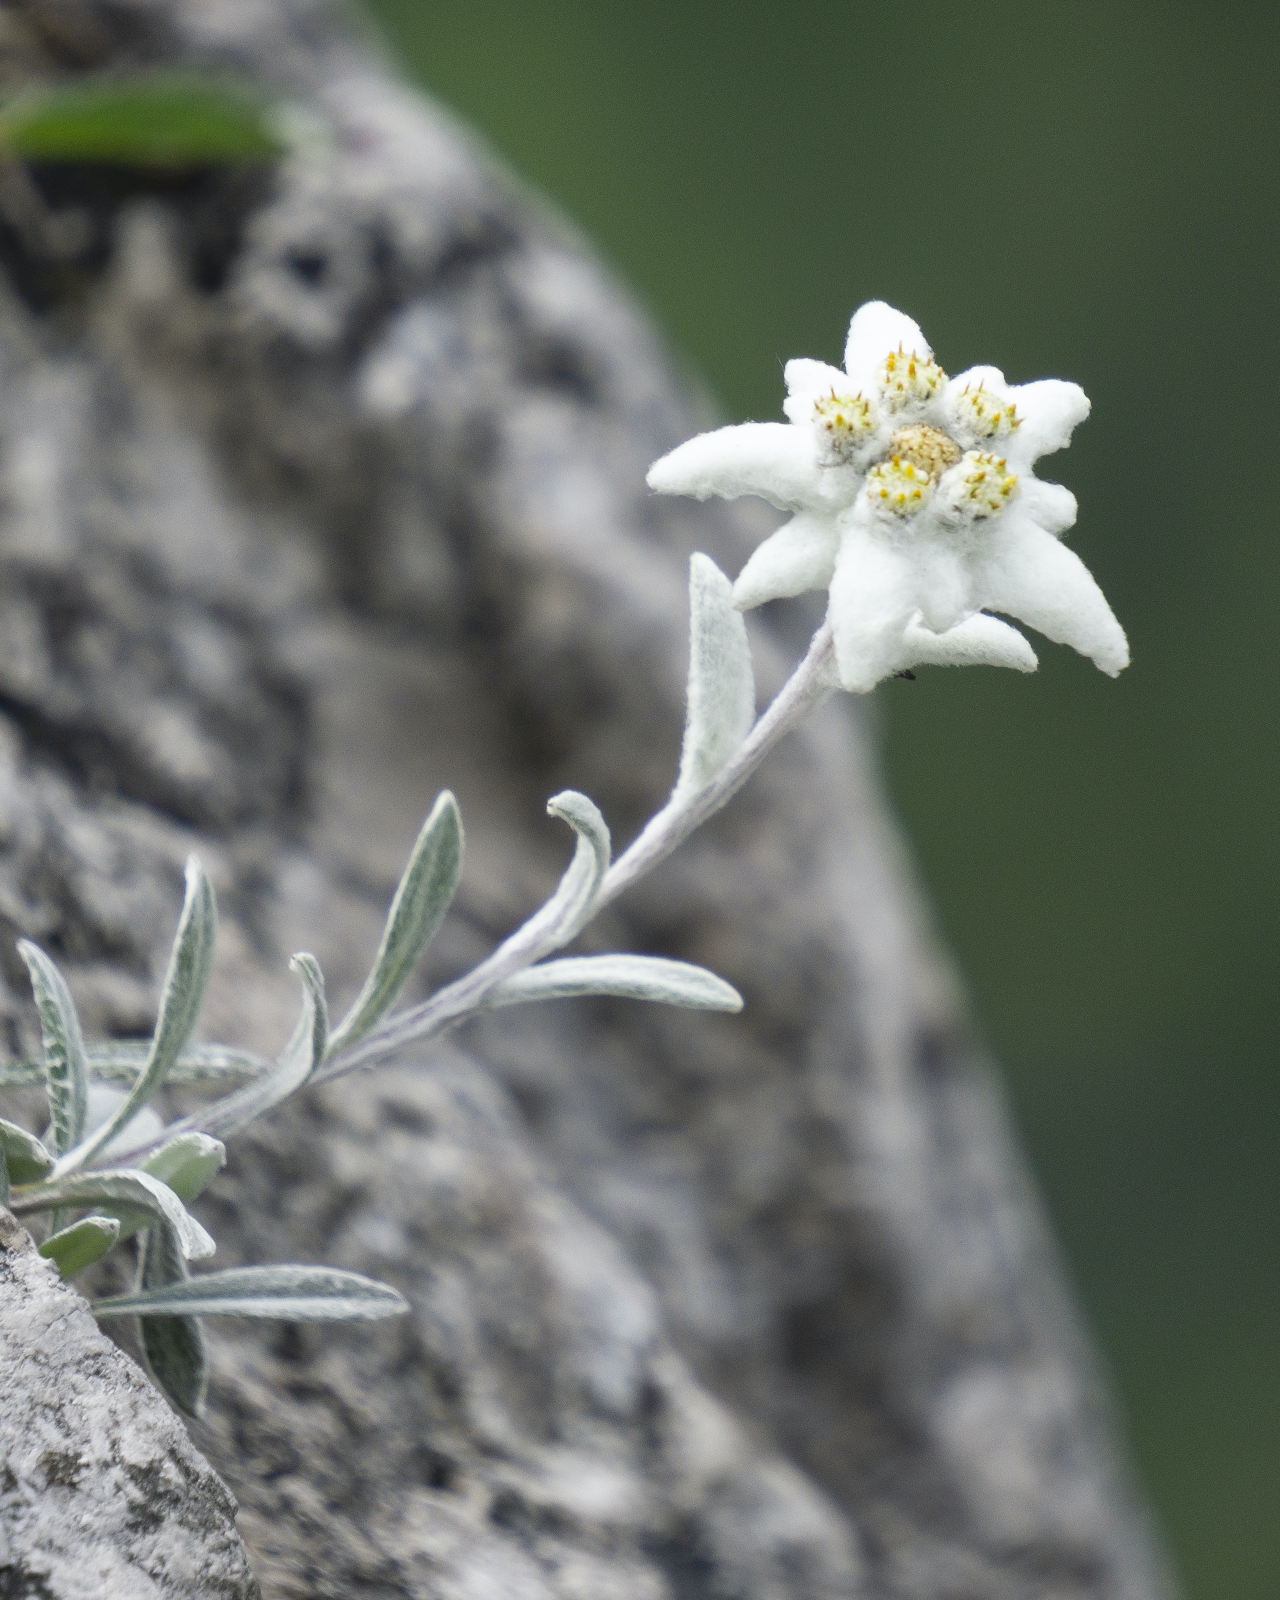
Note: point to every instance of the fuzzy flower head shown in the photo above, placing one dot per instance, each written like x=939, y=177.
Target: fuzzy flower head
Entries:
x=914, y=501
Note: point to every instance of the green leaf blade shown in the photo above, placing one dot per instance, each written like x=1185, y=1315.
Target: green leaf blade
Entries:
x=147, y=119
x=421, y=901
x=188, y=1164
x=174, y=1346
x=121, y=1192
x=720, y=704
x=673, y=983
x=66, y=1068
x=298, y=1060
x=187, y=978
x=79, y=1246
x=26, y=1158
x=120, y=1061
x=569, y=909
x=287, y=1293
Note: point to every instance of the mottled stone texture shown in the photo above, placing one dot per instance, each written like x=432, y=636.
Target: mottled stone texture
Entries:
x=101, y=1495
x=320, y=489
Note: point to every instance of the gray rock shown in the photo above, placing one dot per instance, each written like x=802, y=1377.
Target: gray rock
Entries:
x=102, y=1496
x=321, y=490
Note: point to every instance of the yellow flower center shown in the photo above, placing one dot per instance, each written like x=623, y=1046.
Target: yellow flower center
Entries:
x=908, y=378
x=899, y=485
x=986, y=414
x=927, y=448
x=984, y=486
x=845, y=421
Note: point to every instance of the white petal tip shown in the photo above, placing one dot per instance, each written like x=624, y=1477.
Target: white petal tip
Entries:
x=666, y=477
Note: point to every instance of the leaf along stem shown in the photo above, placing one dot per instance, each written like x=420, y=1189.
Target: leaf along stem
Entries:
x=809, y=685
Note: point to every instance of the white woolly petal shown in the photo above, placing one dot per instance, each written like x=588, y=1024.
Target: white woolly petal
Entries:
x=1050, y=504
x=1028, y=574
x=872, y=599
x=1050, y=410
x=944, y=583
x=975, y=378
x=806, y=380
x=978, y=641
x=876, y=329
x=800, y=556
x=773, y=460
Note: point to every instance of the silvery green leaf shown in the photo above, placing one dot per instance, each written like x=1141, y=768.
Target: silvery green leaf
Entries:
x=119, y=1061
x=25, y=1156
x=188, y=1164
x=293, y=1294
x=79, y=1246
x=66, y=1073
x=421, y=901
x=569, y=908
x=121, y=1192
x=296, y=1063
x=190, y=964
x=675, y=983
x=173, y=1346
x=4, y=1178
x=24, y=1074
x=721, y=699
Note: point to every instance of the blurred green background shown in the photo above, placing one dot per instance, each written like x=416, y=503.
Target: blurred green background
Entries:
x=1069, y=190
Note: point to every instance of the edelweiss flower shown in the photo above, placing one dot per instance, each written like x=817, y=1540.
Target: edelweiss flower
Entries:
x=915, y=503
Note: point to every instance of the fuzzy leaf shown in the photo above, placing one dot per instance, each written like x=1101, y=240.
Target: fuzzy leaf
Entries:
x=25, y=1157
x=721, y=698
x=188, y=1164
x=421, y=901
x=144, y=119
x=293, y=1294
x=674, y=983
x=569, y=907
x=119, y=1061
x=173, y=1346
x=190, y=963
x=297, y=1062
x=66, y=1073
x=121, y=1192
x=79, y=1246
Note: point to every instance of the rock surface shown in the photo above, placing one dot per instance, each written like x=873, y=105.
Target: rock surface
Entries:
x=101, y=1495
x=322, y=489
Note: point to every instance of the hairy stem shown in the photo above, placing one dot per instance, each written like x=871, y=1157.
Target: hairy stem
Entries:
x=807, y=687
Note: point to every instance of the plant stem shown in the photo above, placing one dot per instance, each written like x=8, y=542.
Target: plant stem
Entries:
x=807, y=687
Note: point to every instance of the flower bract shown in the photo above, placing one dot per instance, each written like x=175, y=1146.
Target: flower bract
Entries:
x=914, y=502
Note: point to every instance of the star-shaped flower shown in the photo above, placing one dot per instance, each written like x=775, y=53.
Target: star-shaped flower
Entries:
x=915, y=503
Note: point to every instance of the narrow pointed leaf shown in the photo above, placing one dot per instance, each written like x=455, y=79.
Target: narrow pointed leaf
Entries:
x=569, y=908
x=66, y=1073
x=674, y=983
x=121, y=1192
x=120, y=1061
x=297, y=1062
x=294, y=1294
x=4, y=1178
x=190, y=963
x=721, y=697
x=79, y=1246
x=188, y=1164
x=26, y=1158
x=174, y=1346
x=421, y=901
x=157, y=118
